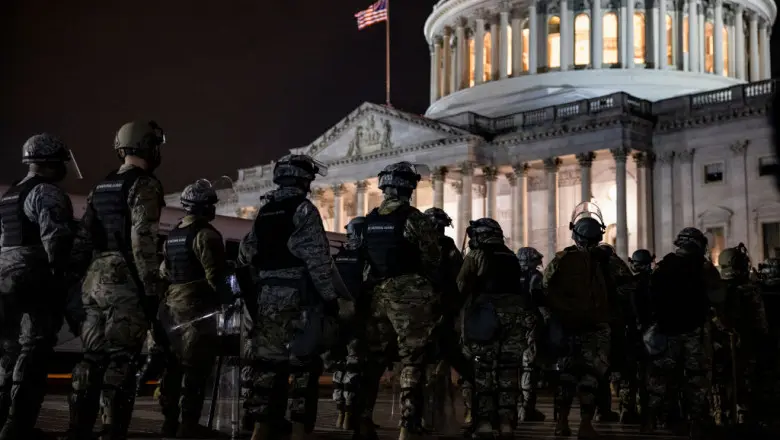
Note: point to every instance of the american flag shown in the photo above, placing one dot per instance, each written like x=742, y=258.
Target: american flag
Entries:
x=376, y=13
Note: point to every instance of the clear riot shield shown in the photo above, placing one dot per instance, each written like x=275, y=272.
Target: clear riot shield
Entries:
x=586, y=209
x=225, y=410
x=73, y=166
x=225, y=190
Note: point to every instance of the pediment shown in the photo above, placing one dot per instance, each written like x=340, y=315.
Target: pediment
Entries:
x=717, y=215
x=375, y=129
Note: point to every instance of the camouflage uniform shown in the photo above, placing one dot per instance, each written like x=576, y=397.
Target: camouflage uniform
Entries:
x=642, y=265
x=290, y=252
x=769, y=358
x=530, y=371
x=490, y=277
x=404, y=257
x=196, y=268
x=36, y=237
x=118, y=310
x=154, y=364
x=684, y=284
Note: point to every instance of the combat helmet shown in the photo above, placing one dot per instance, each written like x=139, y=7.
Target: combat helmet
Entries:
x=641, y=260
x=587, y=225
x=355, y=231
x=691, y=240
x=734, y=263
x=48, y=149
x=298, y=170
x=770, y=271
x=483, y=231
x=200, y=198
x=439, y=218
x=399, y=179
x=529, y=258
x=141, y=139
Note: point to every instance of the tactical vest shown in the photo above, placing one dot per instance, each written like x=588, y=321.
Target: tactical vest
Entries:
x=349, y=263
x=18, y=230
x=679, y=295
x=182, y=264
x=109, y=205
x=389, y=252
x=273, y=227
x=501, y=273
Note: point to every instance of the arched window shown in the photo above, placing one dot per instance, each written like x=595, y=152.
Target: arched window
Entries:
x=725, y=51
x=582, y=40
x=471, y=62
x=554, y=42
x=488, y=52
x=526, y=34
x=639, y=38
x=610, y=24
x=509, y=43
x=709, y=47
x=669, y=40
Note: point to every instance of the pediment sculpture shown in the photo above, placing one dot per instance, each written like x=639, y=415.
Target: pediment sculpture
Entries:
x=371, y=136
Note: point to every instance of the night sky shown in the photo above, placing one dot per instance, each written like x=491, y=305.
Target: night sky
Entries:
x=234, y=83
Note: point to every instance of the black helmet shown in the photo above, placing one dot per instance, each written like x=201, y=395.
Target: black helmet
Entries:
x=529, y=258
x=294, y=169
x=691, y=239
x=439, y=217
x=734, y=262
x=484, y=230
x=641, y=260
x=355, y=230
x=48, y=149
x=587, y=225
x=399, y=179
x=200, y=198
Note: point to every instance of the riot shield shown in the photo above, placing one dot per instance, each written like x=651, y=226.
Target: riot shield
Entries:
x=585, y=210
x=226, y=193
x=224, y=411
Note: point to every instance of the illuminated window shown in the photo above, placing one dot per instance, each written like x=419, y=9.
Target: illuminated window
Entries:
x=610, y=24
x=471, y=62
x=669, y=40
x=509, y=51
x=488, y=63
x=685, y=34
x=725, y=51
x=526, y=34
x=639, y=38
x=582, y=40
x=709, y=47
x=554, y=42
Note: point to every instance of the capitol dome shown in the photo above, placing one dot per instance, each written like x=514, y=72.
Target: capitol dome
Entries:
x=499, y=57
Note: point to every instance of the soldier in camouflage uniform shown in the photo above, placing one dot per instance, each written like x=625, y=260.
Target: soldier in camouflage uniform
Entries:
x=404, y=260
x=641, y=262
x=289, y=250
x=684, y=286
x=584, y=346
x=154, y=364
x=743, y=315
x=769, y=358
x=36, y=237
x=122, y=285
x=500, y=320
x=530, y=372
x=195, y=267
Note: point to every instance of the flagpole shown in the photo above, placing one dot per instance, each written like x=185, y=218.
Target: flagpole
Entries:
x=387, y=56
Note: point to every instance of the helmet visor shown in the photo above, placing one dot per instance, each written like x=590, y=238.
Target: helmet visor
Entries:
x=587, y=209
x=73, y=166
x=320, y=168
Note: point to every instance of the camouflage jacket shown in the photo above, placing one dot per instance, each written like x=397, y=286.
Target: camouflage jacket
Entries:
x=744, y=308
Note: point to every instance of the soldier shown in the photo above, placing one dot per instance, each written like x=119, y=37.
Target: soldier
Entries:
x=195, y=267
x=743, y=315
x=404, y=260
x=641, y=263
x=153, y=365
x=37, y=236
x=530, y=262
x=577, y=283
x=296, y=303
x=499, y=321
x=684, y=285
x=769, y=359
x=122, y=285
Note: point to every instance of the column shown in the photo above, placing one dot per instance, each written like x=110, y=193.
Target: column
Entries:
x=460, y=60
x=503, y=57
x=565, y=29
x=466, y=179
x=338, y=207
x=685, y=159
x=435, y=67
x=586, y=161
x=361, y=186
x=766, y=65
x=453, y=66
x=494, y=48
x=479, y=51
x=460, y=230
x=551, y=170
x=739, y=180
x=466, y=59
x=491, y=175
x=693, y=37
x=644, y=198
x=718, y=40
x=630, y=34
x=622, y=39
x=755, y=72
x=662, y=42
x=533, y=35
x=438, y=176
x=732, y=44
x=702, y=41
x=620, y=155
x=519, y=205
x=597, y=36
x=739, y=34
x=447, y=63
x=651, y=36
x=667, y=197
x=517, y=45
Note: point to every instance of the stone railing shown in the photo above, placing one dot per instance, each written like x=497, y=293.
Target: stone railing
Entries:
x=723, y=99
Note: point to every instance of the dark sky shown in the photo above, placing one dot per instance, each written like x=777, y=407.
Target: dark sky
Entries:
x=234, y=83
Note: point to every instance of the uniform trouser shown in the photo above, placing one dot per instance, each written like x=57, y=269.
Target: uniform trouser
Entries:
x=583, y=369
x=685, y=364
x=346, y=364
x=154, y=364
x=105, y=377
x=267, y=381
x=27, y=336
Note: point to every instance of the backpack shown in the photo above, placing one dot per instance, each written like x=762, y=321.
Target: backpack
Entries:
x=679, y=299
x=578, y=292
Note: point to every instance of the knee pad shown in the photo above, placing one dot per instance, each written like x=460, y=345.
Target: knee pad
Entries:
x=86, y=373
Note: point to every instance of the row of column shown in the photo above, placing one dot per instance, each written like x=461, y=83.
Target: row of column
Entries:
x=450, y=57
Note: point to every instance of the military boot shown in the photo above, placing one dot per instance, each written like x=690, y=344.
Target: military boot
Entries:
x=340, y=419
x=562, y=428
x=366, y=430
x=348, y=421
x=586, y=430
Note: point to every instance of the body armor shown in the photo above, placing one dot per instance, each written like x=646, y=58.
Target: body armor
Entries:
x=680, y=302
x=389, y=253
x=502, y=270
x=349, y=263
x=109, y=204
x=182, y=263
x=18, y=230
x=273, y=227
